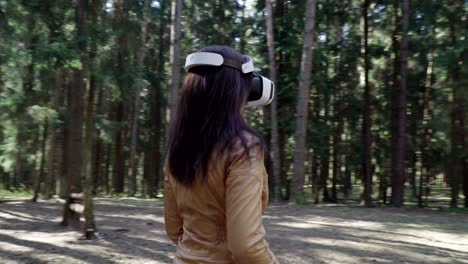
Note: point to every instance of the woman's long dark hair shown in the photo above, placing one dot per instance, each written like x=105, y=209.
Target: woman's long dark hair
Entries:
x=208, y=116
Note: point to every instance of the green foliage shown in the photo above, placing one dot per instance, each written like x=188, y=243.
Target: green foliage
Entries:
x=21, y=191
x=39, y=44
x=301, y=199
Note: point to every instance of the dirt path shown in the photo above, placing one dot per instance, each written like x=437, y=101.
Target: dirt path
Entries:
x=133, y=232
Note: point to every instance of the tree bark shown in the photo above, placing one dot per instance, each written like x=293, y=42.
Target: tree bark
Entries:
x=40, y=176
x=276, y=161
x=303, y=99
x=174, y=60
x=90, y=227
x=65, y=138
x=74, y=141
x=123, y=80
x=99, y=151
x=336, y=157
x=366, y=123
x=106, y=186
x=425, y=134
x=315, y=178
x=242, y=41
x=285, y=182
x=152, y=159
x=324, y=173
x=458, y=147
x=398, y=166
x=52, y=155
x=119, y=160
x=132, y=183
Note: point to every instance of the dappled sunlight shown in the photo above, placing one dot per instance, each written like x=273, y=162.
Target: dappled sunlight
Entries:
x=30, y=233
x=46, y=237
x=298, y=225
x=14, y=248
x=16, y=215
x=360, y=235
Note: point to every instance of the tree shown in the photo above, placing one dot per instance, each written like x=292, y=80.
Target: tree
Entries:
x=458, y=124
x=40, y=175
x=132, y=183
x=303, y=99
x=152, y=162
x=123, y=77
x=379, y=76
x=366, y=121
x=88, y=61
x=398, y=164
x=276, y=161
x=74, y=153
x=175, y=58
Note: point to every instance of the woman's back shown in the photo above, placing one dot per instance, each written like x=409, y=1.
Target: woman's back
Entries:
x=218, y=220
x=215, y=182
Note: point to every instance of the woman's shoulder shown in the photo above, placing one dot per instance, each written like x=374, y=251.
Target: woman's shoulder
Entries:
x=246, y=146
x=246, y=141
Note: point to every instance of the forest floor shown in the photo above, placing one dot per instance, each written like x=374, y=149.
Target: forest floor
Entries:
x=132, y=231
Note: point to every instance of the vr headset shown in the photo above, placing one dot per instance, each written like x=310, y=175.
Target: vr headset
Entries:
x=263, y=89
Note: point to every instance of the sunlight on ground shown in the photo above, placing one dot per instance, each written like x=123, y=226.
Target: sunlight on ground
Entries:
x=132, y=232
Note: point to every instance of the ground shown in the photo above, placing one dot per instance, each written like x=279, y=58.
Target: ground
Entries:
x=132, y=231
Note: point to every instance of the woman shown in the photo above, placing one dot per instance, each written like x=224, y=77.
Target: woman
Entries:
x=216, y=186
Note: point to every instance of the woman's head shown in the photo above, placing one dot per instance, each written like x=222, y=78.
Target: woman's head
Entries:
x=208, y=115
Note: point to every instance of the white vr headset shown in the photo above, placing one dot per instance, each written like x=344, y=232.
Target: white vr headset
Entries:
x=263, y=89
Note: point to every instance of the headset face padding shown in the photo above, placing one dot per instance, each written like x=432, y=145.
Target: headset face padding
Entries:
x=262, y=91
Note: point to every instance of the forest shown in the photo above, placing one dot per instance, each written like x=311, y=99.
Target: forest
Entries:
x=86, y=92
x=367, y=135
x=370, y=108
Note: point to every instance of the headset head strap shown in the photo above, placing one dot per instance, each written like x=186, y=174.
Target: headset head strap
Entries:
x=215, y=59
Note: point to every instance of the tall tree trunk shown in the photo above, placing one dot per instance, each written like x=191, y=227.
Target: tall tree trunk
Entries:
x=63, y=172
x=88, y=63
x=398, y=166
x=40, y=175
x=285, y=182
x=3, y=174
x=324, y=173
x=74, y=154
x=315, y=178
x=106, y=186
x=174, y=60
x=132, y=183
x=281, y=57
x=121, y=8
x=276, y=161
x=303, y=99
x=348, y=187
x=99, y=151
x=336, y=156
x=458, y=79
x=52, y=155
x=425, y=133
x=152, y=160
x=97, y=168
x=34, y=170
x=366, y=123
x=119, y=160
x=242, y=40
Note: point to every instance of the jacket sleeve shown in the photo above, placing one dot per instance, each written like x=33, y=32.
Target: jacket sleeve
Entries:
x=244, y=205
x=172, y=218
x=265, y=192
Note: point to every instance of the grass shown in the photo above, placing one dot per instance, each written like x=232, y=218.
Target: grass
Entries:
x=22, y=191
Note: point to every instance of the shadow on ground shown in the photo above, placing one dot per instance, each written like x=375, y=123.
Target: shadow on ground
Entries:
x=133, y=232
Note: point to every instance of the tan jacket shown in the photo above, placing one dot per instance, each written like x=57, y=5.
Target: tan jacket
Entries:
x=220, y=220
